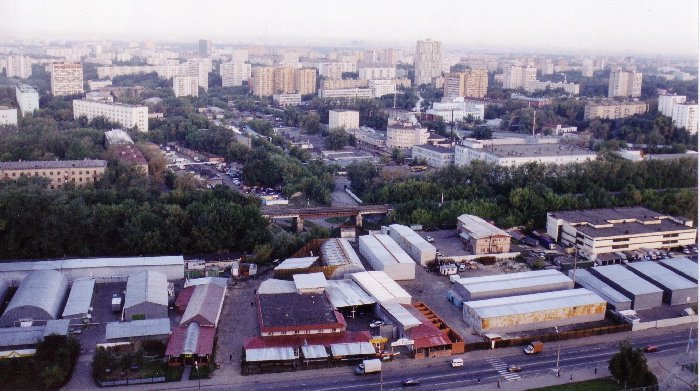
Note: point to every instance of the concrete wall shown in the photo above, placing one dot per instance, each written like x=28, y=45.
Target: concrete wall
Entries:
x=150, y=310
x=665, y=323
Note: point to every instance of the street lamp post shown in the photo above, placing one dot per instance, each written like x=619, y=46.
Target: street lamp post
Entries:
x=558, y=348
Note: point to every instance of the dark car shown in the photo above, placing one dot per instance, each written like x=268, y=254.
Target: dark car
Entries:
x=650, y=349
x=410, y=382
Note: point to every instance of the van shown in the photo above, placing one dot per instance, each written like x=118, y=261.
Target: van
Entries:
x=457, y=362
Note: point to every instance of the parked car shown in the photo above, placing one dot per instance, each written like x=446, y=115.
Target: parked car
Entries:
x=377, y=323
x=514, y=369
x=457, y=362
x=650, y=349
x=410, y=382
x=430, y=239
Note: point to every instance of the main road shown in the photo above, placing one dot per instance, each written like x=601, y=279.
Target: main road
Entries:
x=442, y=376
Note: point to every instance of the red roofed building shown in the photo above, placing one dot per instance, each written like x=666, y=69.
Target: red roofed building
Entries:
x=298, y=314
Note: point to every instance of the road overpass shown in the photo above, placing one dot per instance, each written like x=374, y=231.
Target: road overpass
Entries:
x=298, y=215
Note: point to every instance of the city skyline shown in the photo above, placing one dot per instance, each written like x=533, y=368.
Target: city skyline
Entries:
x=624, y=27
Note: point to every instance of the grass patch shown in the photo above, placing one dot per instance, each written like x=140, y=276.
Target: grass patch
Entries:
x=590, y=385
x=174, y=373
x=201, y=373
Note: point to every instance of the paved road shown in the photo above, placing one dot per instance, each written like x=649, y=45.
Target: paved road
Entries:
x=442, y=376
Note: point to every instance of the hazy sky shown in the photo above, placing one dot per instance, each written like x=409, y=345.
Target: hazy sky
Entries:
x=621, y=26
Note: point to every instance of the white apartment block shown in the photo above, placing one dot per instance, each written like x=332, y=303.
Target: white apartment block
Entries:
x=66, y=79
x=536, y=85
x=287, y=99
x=457, y=110
x=185, y=86
x=200, y=67
x=434, y=155
x=348, y=119
x=8, y=116
x=515, y=77
x=686, y=116
x=163, y=71
x=126, y=115
x=380, y=88
x=371, y=73
x=348, y=93
x=625, y=84
x=427, y=61
x=18, y=66
x=519, y=154
x=614, y=110
x=404, y=135
x=233, y=74
x=666, y=103
x=27, y=99
x=335, y=69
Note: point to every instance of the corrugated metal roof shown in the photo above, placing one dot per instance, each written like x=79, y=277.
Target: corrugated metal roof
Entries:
x=627, y=280
x=191, y=339
x=138, y=328
x=385, y=249
x=81, y=263
x=80, y=297
x=509, y=281
x=380, y=286
x=346, y=293
x=683, y=266
x=18, y=336
x=593, y=283
x=335, y=252
x=274, y=286
x=310, y=281
x=412, y=237
x=56, y=326
x=664, y=277
x=296, y=263
x=402, y=315
x=314, y=351
x=478, y=227
x=221, y=281
x=352, y=349
x=526, y=304
x=44, y=289
x=270, y=354
x=205, y=305
x=146, y=286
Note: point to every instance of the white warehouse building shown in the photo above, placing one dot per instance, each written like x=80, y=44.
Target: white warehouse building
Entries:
x=384, y=254
x=413, y=244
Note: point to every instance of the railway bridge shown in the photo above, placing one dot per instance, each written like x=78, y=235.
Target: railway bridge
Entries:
x=299, y=214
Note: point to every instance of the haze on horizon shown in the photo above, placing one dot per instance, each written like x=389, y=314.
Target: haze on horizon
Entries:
x=652, y=27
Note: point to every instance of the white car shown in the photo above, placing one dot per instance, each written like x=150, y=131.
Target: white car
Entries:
x=429, y=239
x=377, y=323
x=457, y=362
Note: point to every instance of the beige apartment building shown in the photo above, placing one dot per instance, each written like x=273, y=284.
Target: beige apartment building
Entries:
x=233, y=74
x=185, y=86
x=625, y=84
x=471, y=83
x=481, y=237
x=59, y=172
x=126, y=115
x=283, y=80
x=340, y=84
x=262, y=81
x=305, y=81
x=404, y=135
x=515, y=77
x=348, y=119
x=66, y=79
x=427, y=61
x=614, y=110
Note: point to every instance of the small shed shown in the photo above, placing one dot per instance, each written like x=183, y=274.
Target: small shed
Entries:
x=146, y=296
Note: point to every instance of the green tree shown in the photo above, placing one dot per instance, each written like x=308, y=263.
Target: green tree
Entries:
x=397, y=155
x=310, y=123
x=629, y=367
x=337, y=139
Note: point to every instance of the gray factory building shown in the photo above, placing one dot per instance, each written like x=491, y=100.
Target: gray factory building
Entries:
x=40, y=297
x=146, y=296
x=677, y=289
x=683, y=266
x=644, y=295
x=511, y=284
x=614, y=298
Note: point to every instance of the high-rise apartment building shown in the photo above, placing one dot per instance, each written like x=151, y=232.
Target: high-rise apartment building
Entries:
x=66, y=79
x=376, y=72
x=27, y=99
x=283, y=80
x=427, y=61
x=233, y=73
x=185, y=86
x=18, y=66
x=686, y=116
x=625, y=84
x=305, y=81
x=666, y=103
x=262, y=81
x=204, y=47
x=388, y=56
x=471, y=83
x=200, y=67
x=515, y=77
x=126, y=115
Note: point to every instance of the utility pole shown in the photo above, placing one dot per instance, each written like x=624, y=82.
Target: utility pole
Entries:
x=558, y=348
x=690, y=338
x=534, y=120
x=575, y=261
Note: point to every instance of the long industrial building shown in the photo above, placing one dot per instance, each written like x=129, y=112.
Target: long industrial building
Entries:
x=614, y=298
x=381, y=287
x=413, y=244
x=598, y=231
x=677, y=289
x=535, y=311
x=512, y=284
x=40, y=297
x=339, y=256
x=79, y=299
x=100, y=268
x=683, y=266
x=644, y=295
x=384, y=254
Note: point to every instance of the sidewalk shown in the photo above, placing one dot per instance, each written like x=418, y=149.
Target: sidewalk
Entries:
x=670, y=372
x=527, y=383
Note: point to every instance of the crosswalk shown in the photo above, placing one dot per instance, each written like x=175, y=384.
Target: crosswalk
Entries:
x=502, y=369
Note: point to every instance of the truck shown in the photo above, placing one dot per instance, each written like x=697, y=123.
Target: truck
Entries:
x=534, y=347
x=530, y=241
x=547, y=242
x=369, y=366
x=116, y=302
